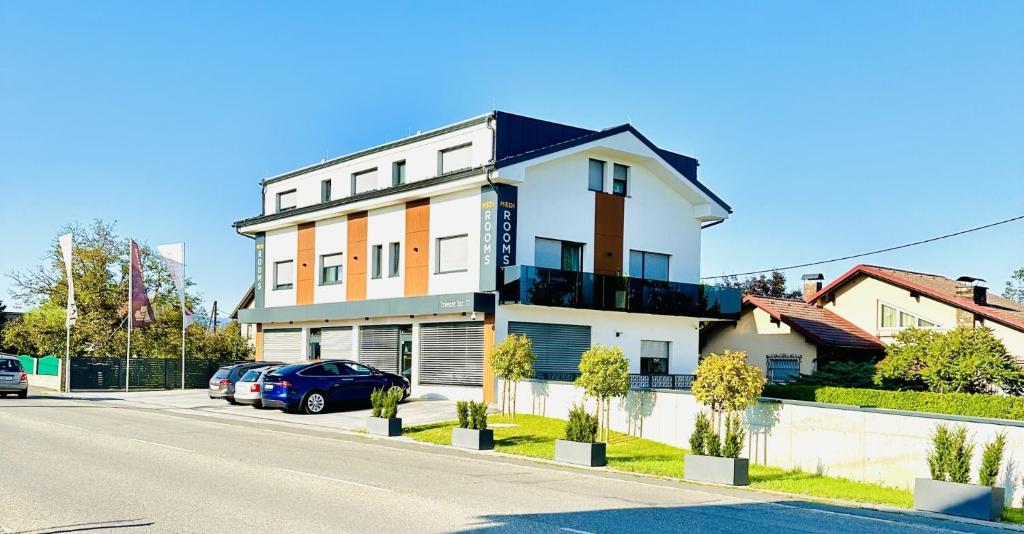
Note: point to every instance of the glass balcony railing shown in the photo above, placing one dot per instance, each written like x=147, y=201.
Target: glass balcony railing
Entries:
x=539, y=286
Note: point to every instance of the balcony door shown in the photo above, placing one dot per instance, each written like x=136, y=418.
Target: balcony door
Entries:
x=556, y=254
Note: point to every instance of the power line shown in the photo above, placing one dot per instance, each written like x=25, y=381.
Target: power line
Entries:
x=879, y=251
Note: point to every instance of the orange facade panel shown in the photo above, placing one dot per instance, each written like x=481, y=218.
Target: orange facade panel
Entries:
x=609, y=223
x=357, y=252
x=417, y=247
x=306, y=264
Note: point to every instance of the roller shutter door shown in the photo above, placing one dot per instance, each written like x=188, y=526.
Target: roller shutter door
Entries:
x=336, y=342
x=452, y=354
x=558, y=346
x=378, y=347
x=283, y=345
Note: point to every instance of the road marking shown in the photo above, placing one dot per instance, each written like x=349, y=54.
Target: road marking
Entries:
x=332, y=479
x=164, y=445
x=567, y=529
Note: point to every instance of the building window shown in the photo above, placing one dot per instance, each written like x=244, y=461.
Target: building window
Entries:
x=378, y=251
x=782, y=368
x=892, y=317
x=596, y=175
x=284, y=274
x=313, y=346
x=398, y=173
x=364, y=181
x=620, y=180
x=330, y=269
x=325, y=191
x=452, y=254
x=454, y=159
x=648, y=265
x=555, y=254
x=286, y=200
x=393, y=259
x=654, y=357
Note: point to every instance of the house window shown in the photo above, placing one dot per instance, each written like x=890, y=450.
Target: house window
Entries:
x=648, y=265
x=286, y=200
x=330, y=269
x=892, y=317
x=454, y=159
x=782, y=368
x=596, y=182
x=378, y=251
x=555, y=254
x=325, y=191
x=620, y=180
x=452, y=254
x=364, y=181
x=654, y=357
x=284, y=274
x=398, y=173
x=393, y=251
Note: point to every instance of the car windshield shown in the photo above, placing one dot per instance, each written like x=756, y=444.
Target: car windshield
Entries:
x=289, y=369
x=10, y=366
x=223, y=372
x=251, y=376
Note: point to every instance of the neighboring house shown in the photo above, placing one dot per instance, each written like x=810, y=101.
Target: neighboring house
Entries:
x=788, y=337
x=248, y=302
x=418, y=255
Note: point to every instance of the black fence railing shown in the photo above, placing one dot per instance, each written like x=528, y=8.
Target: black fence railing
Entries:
x=105, y=372
x=636, y=381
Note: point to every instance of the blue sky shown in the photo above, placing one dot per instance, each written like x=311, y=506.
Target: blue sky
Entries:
x=831, y=128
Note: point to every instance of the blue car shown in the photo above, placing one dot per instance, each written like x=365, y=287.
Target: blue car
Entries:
x=313, y=387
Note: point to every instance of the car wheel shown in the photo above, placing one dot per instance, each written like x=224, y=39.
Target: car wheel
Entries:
x=3, y=395
x=22, y=395
x=257, y=405
x=314, y=403
x=231, y=400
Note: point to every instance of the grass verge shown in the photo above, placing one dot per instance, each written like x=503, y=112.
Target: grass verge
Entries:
x=535, y=436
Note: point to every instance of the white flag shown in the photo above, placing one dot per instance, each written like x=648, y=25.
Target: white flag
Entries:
x=174, y=258
x=66, y=244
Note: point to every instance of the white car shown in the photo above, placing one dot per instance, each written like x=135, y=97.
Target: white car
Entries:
x=248, y=388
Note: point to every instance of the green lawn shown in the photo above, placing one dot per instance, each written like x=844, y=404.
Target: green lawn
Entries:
x=535, y=436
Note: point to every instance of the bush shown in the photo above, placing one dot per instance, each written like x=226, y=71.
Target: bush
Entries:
x=478, y=415
x=840, y=374
x=938, y=456
x=462, y=413
x=713, y=443
x=698, y=439
x=966, y=404
x=958, y=464
x=992, y=460
x=384, y=403
x=581, y=426
x=734, y=435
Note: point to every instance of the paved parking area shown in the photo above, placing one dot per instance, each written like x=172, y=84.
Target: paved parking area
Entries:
x=412, y=412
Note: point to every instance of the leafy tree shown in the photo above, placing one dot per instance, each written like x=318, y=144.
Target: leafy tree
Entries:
x=1015, y=286
x=512, y=361
x=905, y=357
x=770, y=285
x=726, y=383
x=604, y=375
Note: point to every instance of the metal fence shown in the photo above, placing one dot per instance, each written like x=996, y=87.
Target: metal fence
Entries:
x=101, y=373
x=636, y=381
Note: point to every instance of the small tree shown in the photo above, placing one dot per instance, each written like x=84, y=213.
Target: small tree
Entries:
x=938, y=456
x=512, y=361
x=992, y=460
x=604, y=375
x=726, y=383
x=699, y=437
x=961, y=450
x=734, y=435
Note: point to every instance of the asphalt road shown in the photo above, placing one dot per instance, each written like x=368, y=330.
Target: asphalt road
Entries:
x=86, y=466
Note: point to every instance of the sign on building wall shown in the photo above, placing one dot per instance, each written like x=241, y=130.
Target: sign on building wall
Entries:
x=258, y=284
x=498, y=209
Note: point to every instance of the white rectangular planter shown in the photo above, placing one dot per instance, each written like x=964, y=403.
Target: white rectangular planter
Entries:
x=964, y=500
x=468, y=438
x=574, y=452
x=729, y=471
x=379, y=426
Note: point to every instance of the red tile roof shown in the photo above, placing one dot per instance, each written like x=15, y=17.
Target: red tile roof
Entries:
x=822, y=327
x=940, y=288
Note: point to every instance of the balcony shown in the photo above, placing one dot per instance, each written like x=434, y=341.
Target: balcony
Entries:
x=539, y=286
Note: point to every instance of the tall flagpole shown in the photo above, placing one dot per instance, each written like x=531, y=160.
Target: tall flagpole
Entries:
x=128, y=355
x=182, y=299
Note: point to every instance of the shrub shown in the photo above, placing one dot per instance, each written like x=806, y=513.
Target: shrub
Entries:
x=840, y=374
x=581, y=426
x=698, y=439
x=734, y=435
x=478, y=415
x=462, y=413
x=384, y=403
x=604, y=375
x=938, y=456
x=966, y=404
x=991, y=460
x=958, y=464
x=713, y=443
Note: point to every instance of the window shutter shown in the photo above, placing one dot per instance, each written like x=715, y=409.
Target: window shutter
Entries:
x=653, y=349
x=336, y=342
x=451, y=354
x=284, y=345
x=378, y=347
x=558, y=346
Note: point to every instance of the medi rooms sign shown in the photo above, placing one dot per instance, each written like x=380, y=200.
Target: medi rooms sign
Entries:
x=498, y=206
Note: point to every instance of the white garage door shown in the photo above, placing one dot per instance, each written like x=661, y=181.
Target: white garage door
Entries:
x=283, y=345
x=336, y=342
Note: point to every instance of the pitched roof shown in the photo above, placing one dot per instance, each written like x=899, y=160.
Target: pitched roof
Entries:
x=822, y=327
x=940, y=288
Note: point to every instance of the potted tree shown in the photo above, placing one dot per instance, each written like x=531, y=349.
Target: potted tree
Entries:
x=472, y=432
x=604, y=375
x=384, y=420
x=579, y=446
x=726, y=384
x=512, y=362
x=949, y=490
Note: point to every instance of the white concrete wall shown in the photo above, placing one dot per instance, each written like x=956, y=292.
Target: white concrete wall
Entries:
x=624, y=330
x=450, y=215
x=865, y=445
x=281, y=245
x=385, y=226
x=331, y=238
x=759, y=337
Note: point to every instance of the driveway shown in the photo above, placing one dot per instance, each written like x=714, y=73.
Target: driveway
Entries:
x=412, y=412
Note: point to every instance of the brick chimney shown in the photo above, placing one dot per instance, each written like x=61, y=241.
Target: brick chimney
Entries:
x=968, y=287
x=812, y=284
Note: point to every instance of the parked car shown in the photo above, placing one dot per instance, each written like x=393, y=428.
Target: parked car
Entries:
x=314, y=387
x=13, y=378
x=249, y=388
x=222, y=383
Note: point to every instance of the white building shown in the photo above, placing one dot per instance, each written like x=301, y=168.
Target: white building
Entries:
x=418, y=255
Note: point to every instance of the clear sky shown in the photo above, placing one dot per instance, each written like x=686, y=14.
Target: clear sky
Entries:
x=830, y=127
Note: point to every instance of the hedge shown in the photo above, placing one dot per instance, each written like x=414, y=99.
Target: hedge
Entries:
x=966, y=404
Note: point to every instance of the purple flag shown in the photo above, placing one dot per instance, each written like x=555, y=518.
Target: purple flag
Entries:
x=141, y=309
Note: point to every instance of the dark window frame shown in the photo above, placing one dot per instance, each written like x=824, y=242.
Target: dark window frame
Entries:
x=325, y=190
x=355, y=180
x=643, y=264
x=398, y=178
x=341, y=270
x=287, y=208
x=440, y=158
x=394, y=259
x=281, y=287
x=590, y=177
x=376, y=260
x=624, y=180
x=437, y=256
